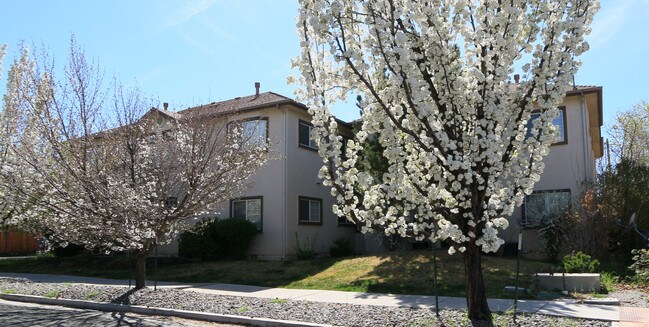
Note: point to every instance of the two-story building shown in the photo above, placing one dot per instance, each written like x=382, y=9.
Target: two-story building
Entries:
x=289, y=204
x=286, y=200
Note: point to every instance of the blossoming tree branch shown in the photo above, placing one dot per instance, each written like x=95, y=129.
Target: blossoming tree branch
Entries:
x=434, y=79
x=101, y=171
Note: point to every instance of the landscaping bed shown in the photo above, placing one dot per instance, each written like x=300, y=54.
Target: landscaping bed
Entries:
x=303, y=311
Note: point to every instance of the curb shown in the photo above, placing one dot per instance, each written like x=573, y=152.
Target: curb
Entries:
x=186, y=314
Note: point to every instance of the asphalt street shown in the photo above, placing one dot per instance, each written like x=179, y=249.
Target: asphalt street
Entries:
x=27, y=315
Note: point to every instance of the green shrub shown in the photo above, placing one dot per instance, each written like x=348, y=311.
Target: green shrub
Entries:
x=218, y=239
x=342, y=247
x=193, y=242
x=70, y=250
x=640, y=265
x=580, y=263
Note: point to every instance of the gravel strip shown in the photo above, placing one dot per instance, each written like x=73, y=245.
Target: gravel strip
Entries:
x=631, y=298
x=325, y=313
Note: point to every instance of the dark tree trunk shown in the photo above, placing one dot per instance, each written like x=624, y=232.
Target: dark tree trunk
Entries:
x=140, y=268
x=476, y=294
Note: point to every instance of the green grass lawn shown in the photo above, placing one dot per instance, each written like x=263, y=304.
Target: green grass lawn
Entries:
x=409, y=272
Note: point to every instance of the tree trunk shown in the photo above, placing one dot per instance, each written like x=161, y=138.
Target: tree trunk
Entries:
x=476, y=294
x=140, y=268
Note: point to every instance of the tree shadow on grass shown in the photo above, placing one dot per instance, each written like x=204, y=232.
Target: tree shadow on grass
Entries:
x=411, y=272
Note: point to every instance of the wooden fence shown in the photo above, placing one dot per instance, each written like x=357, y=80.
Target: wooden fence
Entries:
x=12, y=242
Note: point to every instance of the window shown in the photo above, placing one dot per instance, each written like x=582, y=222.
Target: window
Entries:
x=171, y=202
x=305, y=135
x=343, y=148
x=249, y=209
x=309, y=210
x=559, y=122
x=542, y=207
x=250, y=133
x=168, y=135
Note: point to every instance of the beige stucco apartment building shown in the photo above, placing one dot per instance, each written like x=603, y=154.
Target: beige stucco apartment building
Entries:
x=286, y=199
x=289, y=204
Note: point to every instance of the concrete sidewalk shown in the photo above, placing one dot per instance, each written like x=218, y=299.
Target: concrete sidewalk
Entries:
x=564, y=308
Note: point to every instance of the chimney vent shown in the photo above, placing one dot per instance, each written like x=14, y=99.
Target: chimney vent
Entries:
x=257, y=85
x=166, y=106
x=517, y=78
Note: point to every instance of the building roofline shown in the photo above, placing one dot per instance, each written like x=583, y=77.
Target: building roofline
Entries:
x=590, y=90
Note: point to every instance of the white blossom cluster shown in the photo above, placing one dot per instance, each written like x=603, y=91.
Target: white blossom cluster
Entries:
x=434, y=83
x=3, y=51
x=109, y=179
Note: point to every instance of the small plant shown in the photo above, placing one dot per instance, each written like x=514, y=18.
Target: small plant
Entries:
x=609, y=281
x=242, y=309
x=640, y=265
x=342, y=247
x=580, y=263
x=9, y=291
x=92, y=295
x=278, y=301
x=306, y=251
x=52, y=294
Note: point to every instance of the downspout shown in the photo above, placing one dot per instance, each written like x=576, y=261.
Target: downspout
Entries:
x=284, y=176
x=584, y=126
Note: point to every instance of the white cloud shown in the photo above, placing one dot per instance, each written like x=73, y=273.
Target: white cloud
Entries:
x=196, y=41
x=608, y=21
x=218, y=31
x=191, y=9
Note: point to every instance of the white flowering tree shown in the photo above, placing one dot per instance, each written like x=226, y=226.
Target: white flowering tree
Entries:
x=5, y=207
x=106, y=175
x=434, y=79
x=630, y=134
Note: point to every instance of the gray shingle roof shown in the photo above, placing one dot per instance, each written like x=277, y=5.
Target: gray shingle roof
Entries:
x=238, y=104
x=583, y=88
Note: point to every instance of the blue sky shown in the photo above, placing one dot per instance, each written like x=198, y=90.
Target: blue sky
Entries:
x=193, y=52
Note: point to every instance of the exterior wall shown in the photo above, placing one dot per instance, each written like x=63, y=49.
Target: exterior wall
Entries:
x=303, y=165
x=290, y=173
x=267, y=183
x=567, y=166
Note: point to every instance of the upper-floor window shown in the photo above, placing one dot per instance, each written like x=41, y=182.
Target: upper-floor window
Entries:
x=309, y=210
x=343, y=148
x=559, y=122
x=305, y=139
x=171, y=202
x=249, y=208
x=250, y=133
x=543, y=207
